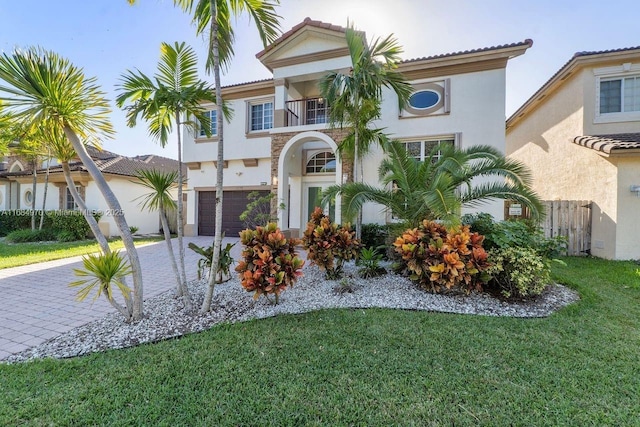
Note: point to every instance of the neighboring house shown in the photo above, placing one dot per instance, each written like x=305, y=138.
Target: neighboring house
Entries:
x=17, y=177
x=279, y=141
x=580, y=134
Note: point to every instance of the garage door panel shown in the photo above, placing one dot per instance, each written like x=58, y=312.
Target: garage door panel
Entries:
x=234, y=203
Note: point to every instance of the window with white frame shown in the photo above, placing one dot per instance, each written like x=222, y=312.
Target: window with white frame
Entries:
x=260, y=116
x=70, y=203
x=620, y=95
x=424, y=149
x=322, y=162
x=213, y=119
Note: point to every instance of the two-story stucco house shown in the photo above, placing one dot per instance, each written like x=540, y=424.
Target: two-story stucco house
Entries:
x=279, y=141
x=580, y=134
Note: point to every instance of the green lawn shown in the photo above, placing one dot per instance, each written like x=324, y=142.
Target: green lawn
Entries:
x=14, y=255
x=579, y=367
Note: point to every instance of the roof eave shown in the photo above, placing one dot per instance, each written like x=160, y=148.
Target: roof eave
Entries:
x=576, y=63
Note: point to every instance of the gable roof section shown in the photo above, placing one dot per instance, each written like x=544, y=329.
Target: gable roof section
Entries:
x=577, y=62
x=275, y=55
x=611, y=144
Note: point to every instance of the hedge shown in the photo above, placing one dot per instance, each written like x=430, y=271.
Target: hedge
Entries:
x=71, y=221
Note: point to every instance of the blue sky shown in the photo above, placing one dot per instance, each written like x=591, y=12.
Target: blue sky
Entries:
x=107, y=37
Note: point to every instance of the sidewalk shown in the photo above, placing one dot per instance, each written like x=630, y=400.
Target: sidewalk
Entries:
x=37, y=304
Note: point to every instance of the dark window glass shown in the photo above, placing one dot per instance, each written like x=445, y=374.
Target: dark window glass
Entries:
x=424, y=99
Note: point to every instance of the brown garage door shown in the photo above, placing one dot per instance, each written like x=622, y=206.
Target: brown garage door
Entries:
x=235, y=202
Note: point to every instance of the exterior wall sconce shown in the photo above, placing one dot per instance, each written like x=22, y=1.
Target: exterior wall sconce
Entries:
x=274, y=180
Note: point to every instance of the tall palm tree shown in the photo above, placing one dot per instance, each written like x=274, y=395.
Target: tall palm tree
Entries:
x=438, y=188
x=159, y=198
x=43, y=89
x=61, y=149
x=355, y=98
x=213, y=17
x=175, y=91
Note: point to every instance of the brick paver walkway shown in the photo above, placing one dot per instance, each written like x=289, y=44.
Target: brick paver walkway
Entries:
x=36, y=304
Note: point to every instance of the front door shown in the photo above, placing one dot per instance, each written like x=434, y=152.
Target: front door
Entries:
x=313, y=198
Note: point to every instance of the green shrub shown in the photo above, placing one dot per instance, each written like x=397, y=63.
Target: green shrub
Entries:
x=442, y=260
x=133, y=229
x=204, y=263
x=518, y=272
x=329, y=245
x=72, y=221
x=374, y=235
x=258, y=211
x=369, y=262
x=515, y=233
x=66, y=236
x=13, y=220
x=28, y=235
x=269, y=262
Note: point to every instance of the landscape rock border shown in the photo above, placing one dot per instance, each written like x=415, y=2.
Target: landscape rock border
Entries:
x=165, y=317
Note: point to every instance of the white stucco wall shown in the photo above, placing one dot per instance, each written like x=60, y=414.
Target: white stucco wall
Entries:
x=476, y=117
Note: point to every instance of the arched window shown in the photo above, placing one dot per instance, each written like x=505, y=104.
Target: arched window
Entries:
x=323, y=162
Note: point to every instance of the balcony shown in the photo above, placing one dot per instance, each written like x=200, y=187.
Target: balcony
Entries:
x=308, y=111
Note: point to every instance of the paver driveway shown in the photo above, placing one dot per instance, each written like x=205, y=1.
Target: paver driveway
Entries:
x=36, y=304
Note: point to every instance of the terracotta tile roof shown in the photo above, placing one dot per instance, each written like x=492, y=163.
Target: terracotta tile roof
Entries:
x=609, y=143
x=307, y=22
x=114, y=164
x=527, y=42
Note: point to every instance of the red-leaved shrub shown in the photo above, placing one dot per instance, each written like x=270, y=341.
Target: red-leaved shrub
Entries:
x=329, y=245
x=443, y=260
x=269, y=262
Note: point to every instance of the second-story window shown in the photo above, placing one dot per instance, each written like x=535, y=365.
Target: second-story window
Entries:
x=261, y=116
x=620, y=95
x=213, y=117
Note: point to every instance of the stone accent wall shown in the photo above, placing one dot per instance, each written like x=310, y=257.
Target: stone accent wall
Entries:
x=278, y=141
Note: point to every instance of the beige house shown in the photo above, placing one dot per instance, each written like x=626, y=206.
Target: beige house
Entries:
x=580, y=134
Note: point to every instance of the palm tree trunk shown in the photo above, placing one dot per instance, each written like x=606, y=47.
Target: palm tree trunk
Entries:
x=118, y=215
x=34, y=164
x=97, y=233
x=182, y=288
x=217, y=241
x=93, y=224
x=46, y=188
x=172, y=257
x=357, y=162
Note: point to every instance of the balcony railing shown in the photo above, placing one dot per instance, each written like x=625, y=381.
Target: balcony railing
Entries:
x=308, y=111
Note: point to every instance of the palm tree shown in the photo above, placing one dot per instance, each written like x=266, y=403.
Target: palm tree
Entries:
x=215, y=17
x=61, y=149
x=103, y=271
x=174, y=92
x=42, y=89
x=438, y=188
x=355, y=98
x=159, y=198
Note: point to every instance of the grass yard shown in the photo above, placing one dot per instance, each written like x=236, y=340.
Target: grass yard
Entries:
x=15, y=255
x=579, y=367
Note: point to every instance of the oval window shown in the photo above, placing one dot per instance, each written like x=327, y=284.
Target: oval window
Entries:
x=424, y=99
x=28, y=197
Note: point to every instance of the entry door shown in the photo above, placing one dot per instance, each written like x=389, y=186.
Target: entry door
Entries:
x=313, y=199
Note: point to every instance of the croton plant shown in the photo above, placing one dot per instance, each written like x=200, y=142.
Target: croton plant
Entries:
x=444, y=260
x=269, y=262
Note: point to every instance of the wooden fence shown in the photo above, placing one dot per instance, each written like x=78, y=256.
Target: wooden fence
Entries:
x=572, y=219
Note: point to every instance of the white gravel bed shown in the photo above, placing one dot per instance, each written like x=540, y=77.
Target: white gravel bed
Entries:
x=166, y=318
